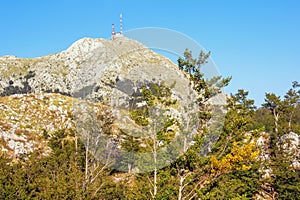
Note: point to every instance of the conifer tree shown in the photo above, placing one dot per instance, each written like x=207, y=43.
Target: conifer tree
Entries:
x=285, y=176
x=191, y=169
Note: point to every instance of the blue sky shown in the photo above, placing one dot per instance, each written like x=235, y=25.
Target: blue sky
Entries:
x=256, y=42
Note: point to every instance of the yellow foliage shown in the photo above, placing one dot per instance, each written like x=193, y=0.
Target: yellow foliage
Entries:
x=245, y=167
x=240, y=158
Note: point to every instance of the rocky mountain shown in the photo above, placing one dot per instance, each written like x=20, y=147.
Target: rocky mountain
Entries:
x=39, y=95
x=93, y=91
x=93, y=65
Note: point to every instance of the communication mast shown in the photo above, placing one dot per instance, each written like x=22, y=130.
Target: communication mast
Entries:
x=115, y=34
x=112, y=31
x=121, y=26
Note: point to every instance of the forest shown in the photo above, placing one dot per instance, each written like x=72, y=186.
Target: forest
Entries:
x=256, y=155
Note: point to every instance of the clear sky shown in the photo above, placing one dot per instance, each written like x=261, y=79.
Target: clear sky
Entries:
x=257, y=42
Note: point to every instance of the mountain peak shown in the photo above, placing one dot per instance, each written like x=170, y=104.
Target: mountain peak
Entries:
x=106, y=71
x=87, y=62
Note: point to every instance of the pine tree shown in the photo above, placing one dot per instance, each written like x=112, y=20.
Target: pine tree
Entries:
x=285, y=176
x=192, y=171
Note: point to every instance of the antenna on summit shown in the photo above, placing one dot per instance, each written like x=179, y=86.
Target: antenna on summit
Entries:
x=121, y=26
x=115, y=34
x=112, y=31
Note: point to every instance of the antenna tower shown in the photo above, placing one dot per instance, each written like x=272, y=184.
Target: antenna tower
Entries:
x=112, y=31
x=121, y=26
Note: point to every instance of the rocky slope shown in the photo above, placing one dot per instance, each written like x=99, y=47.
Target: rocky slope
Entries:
x=92, y=65
x=289, y=143
x=38, y=94
x=28, y=120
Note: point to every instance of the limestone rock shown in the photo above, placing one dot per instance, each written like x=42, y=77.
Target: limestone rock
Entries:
x=107, y=71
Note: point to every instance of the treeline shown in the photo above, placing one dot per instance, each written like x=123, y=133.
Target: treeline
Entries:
x=234, y=168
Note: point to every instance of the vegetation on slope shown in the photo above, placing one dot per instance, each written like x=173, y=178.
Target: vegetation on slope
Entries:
x=236, y=167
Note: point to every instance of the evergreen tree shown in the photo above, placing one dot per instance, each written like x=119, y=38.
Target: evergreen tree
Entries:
x=192, y=171
x=234, y=164
x=285, y=176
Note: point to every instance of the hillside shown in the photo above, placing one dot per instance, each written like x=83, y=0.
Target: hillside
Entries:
x=27, y=121
x=112, y=72
x=94, y=65
x=111, y=119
